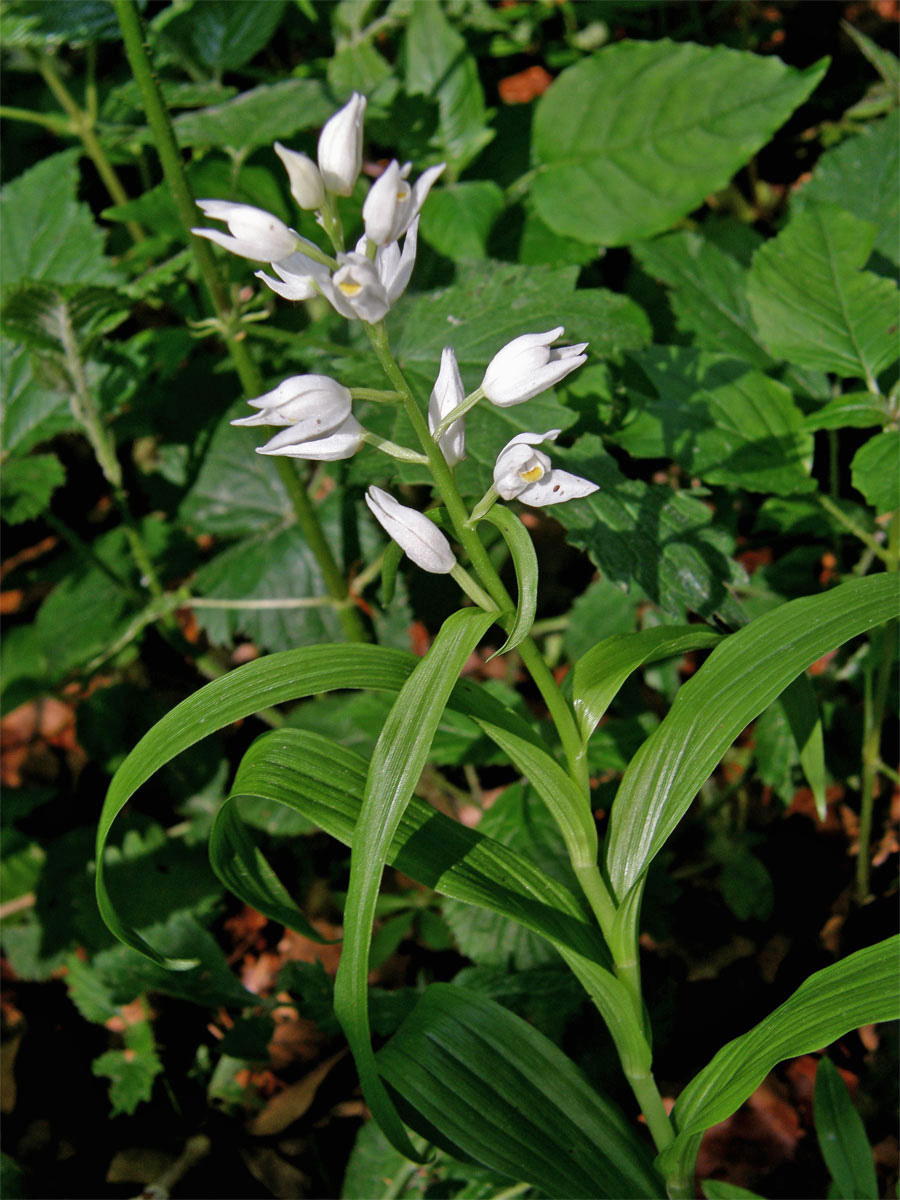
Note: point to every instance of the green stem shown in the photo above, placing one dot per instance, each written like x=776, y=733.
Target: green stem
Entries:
x=875, y=704
x=83, y=126
x=251, y=381
x=866, y=538
x=471, y=542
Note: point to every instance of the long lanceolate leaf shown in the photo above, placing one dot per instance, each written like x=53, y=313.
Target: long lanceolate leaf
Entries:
x=325, y=781
x=857, y=991
x=521, y=549
x=739, y=679
x=484, y=1082
x=399, y=756
x=289, y=675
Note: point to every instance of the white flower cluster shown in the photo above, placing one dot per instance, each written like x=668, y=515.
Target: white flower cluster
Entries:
x=315, y=410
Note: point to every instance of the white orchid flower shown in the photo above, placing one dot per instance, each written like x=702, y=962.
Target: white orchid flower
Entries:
x=307, y=185
x=527, y=366
x=340, y=147
x=255, y=233
x=356, y=289
x=524, y=473
x=392, y=204
x=342, y=442
x=314, y=405
x=447, y=394
x=418, y=537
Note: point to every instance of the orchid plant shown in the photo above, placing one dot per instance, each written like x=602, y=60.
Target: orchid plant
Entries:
x=433, y=1074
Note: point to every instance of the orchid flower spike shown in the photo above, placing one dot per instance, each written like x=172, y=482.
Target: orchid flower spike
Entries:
x=255, y=233
x=448, y=393
x=525, y=474
x=366, y=289
x=527, y=366
x=392, y=204
x=413, y=532
x=340, y=147
x=342, y=442
x=314, y=405
x=307, y=185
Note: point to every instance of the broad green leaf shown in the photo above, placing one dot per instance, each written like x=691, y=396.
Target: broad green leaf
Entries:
x=602, y=610
x=842, y=1137
x=634, y=137
x=599, y=674
x=27, y=484
x=480, y=1080
x=862, y=175
x=709, y=293
x=258, y=117
x=313, y=775
x=856, y=410
x=358, y=67
x=458, y=218
x=720, y=420
x=439, y=66
x=740, y=678
x=521, y=550
x=858, y=990
x=223, y=35
x=746, y=886
x=46, y=233
x=665, y=542
x=813, y=303
x=74, y=23
x=397, y=762
x=875, y=471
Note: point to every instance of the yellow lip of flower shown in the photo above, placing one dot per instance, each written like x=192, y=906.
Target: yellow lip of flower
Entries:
x=533, y=474
x=350, y=288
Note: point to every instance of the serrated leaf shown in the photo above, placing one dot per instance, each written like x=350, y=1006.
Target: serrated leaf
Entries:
x=634, y=137
x=664, y=541
x=842, y=1137
x=855, y=410
x=709, y=293
x=875, y=471
x=439, y=65
x=814, y=305
x=862, y=175
x=74, y=23
x=46, y=233
x=718, y=419
x=740, y=678
x=481, y=1080
x=131, y=1071
x=457, y=219
x=225, y=34
x=27, y=484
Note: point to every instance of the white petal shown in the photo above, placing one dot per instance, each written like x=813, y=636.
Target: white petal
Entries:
x=342, y=443
x=447, y=393
x=556, y=487
x=340, y=146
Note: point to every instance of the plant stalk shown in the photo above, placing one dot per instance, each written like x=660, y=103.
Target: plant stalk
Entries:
x=247, y=371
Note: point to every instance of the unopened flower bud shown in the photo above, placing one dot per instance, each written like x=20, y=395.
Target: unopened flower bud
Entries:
x=527, y=366
x=342, y=442
x=340, y=147
x=306, y=183
x=418, y=537
x=447, y=394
